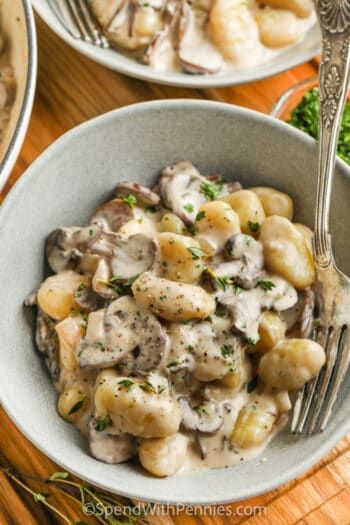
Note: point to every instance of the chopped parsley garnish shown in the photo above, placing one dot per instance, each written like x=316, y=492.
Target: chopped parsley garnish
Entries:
x=251, y=386
x=79, y=313
x=196, y=252
x=130, y=200
x=91, y=232
x=254, y=226
x=117, y=285
x=103, y=423
x=226, y=351
x=200, y=409
x=212, y=190
x=163, y=297
x=238, y=290
x=189, y=207
x=126, y=384
x=76, y=407
x=220, y=311
x=81, y=287
x=150, y=209
x=251, y=341
x=173, y=363
x=191, y=229
x=200, y=215
x=266, y=285
x=223, y=282
x=148, y=387
x=305, y=117
x=161, y=388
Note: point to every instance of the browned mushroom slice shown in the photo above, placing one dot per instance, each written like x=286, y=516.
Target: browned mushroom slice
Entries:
x=196, y=53
x=126, y=328
x=87, y=299
x=206, y=418
x=66, y=246
x=47, y=342
x=143, y=194
x=112, y=215
x=107, y=447
x=304, y=310
x=241, y=245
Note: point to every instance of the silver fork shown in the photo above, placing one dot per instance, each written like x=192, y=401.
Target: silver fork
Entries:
x=77, y=18
x=315, y=402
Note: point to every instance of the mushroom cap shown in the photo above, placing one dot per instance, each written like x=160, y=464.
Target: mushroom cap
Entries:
x=143, y=194
x=126, y=328
x=112, y=215
x=206, y=418
x=46, y=340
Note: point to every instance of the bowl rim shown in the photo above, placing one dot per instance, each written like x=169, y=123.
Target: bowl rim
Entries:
x=267, y=486
x=29, y=92
x=135, y=70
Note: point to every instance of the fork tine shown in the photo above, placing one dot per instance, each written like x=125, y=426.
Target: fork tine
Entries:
x=72, y=5
x=91, y=24
x=64, y=14
x=340, y=372
x=305, y=397
x=331, y=352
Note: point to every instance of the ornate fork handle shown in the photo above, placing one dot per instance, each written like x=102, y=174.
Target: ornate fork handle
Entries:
x=334, y=18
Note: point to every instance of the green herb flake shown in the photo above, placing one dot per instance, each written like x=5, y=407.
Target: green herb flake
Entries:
x=173, y=363
x=254, y=226
x=75, y=408
x=58, y=475
x=81, y=287
x=191, y=229
x=211, y=190
x=38, y=497
x=189, y=207
x=238, y=290
x=150, y=209
x=251, y=341
x=195, y=252
x=266, y=285
x=200, y=215
x=251, y=386
x=148, y=387
x=223, y=282
x=161, y=388
x=200, y=409
x=126, y=384
x=226, y=351
x=130, y=200
x=163, y=297
x=102, y=424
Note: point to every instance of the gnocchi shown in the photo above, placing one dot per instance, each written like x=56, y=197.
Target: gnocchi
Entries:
x=169, y=325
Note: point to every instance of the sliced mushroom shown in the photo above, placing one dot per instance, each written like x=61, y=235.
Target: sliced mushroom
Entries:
x=143, y=194
x=65, y=247
x=112, y=215
x=128, y=257
x=101, y=281
x=243, y=273
x=242, y=245
x=47, y=343
x=87, y=299
x=302, y=327
x=206, y=418
x=196, y=52
x=110, y=448
x=126, y=327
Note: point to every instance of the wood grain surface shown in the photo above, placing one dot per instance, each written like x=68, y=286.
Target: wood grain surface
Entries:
x=70, y=90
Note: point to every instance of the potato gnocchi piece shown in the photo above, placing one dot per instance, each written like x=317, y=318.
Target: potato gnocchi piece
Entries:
x=138, y=407
x=302, y=8
x=172, y=223
x=271, y=331
x=73, y=402
x=216, y=223
x=307, y=233
x=163, y=456
x=69, y=332
x=254, y=423
x=171, y=300
x=56, y=295
x=249, y=209
x=286, y=252
x=291, y=364
x=277, y=27
x=177, y=261
x=275, y=202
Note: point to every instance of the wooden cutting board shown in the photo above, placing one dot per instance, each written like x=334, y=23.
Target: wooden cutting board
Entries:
x=71, y=89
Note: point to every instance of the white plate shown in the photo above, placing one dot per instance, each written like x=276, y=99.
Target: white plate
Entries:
x=286, y=59
x=71, y=179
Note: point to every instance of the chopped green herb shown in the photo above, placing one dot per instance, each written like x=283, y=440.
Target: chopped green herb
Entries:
x=266, y=285
x=130, y=200
x=173, y=363
x=196, y=252
x=191, y=229
x=212, y=190
x=238, y=290
x=126, y=384
x=251, y=341
x=103, y=423
x=226, y=351
x=251, y=386
x=189, y=207
x=254, y=226
x=81, y=287
x=220, y=311
x=186, y=321
x=148, y=387
x=91, y=232
x=171, y=241
x=200, y=215
x=161, y=388
x=150, y=209
x=163, y=297
x=76, y=407
x=79, y=313
x=116, y=284
x=200, y=409
x=223, y=282
x=39, y=497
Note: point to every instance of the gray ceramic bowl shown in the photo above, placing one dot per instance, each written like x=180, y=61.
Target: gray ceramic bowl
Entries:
x=62, y=188
x=17, y=23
